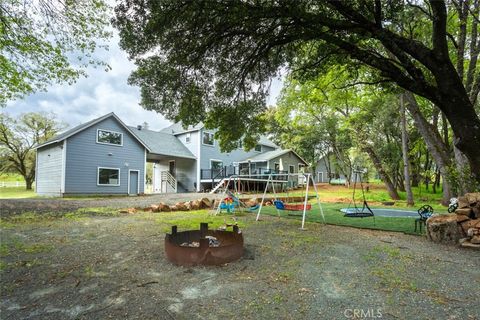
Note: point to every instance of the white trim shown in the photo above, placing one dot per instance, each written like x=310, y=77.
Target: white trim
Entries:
x=108, y=185
x=138, y=180
x=199, y=151
x=36, y=170
x=108, y=143
x=64, y=166
x=189, y=136
x=205, y=144
x=301, y=164
x=145, y=173
x=274, y=165
x=318, y=176
x=216, y=160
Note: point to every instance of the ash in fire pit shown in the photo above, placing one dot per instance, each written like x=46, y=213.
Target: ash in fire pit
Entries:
x=206, y=247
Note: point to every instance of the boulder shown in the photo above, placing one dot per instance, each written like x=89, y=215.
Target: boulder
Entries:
x=472, y=198
x=173, y=208
x=154, y=208
x=462, y=218
x=195, y=204
x=464, y=211
x=475, y=239
x=476, y=211
x=188, y=205
x=469, y=224
x=180, y=206
x=162, y=207
x=443, y=229
x=463, y=203
x=252, y=202
x=205, y=203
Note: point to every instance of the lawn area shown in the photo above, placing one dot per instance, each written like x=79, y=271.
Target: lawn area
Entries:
x=16, y=193
x=334, y=216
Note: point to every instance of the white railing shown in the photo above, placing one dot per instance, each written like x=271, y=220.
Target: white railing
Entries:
x=169, y=180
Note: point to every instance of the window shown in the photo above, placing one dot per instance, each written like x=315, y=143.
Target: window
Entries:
x=216, y=164
x=301, y=168
x=277, y=167
x=108, y=177
x=188, y=137
x=208, y=138
x=291, y=169
x=258, y=148
x=109, y=137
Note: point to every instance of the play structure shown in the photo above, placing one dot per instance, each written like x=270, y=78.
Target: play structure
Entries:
x=353, y=211
x=230, y=200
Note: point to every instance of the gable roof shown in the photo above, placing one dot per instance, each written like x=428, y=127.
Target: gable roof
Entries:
x=162, y=143
x=177, y=128
x=64, y=135
x=270, y=155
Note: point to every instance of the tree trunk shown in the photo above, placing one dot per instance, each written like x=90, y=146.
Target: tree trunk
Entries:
x=462, y=166
x=406, y=163
x=381, y=171
x=435, y=145
x=28, y=183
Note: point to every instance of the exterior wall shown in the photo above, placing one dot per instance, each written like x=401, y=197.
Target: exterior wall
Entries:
x=321, y=172
x=84, y=156
x=49, y=170
x=194, y=172
x=285, y=161
x=185, y=173
x=214, y=153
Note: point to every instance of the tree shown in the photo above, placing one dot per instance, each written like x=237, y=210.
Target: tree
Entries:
x=18, y=138
x=217, y=56
x=48, y=41
x=406, y=161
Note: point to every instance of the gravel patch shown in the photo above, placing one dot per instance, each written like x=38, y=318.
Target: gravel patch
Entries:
x=115, y=267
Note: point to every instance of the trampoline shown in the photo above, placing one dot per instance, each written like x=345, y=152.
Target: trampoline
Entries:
x=391, y=213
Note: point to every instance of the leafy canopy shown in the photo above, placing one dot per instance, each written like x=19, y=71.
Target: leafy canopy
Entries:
x=48, y=41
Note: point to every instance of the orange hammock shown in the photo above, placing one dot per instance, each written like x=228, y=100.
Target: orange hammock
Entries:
x=291, y=207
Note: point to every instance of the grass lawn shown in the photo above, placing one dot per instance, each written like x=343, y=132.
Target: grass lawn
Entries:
x=16, y=193
x=334, y=216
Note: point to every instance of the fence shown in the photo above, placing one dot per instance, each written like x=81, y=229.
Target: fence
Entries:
x=12, y=184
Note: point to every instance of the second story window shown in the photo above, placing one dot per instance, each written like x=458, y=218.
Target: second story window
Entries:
x=109, y=137
x=258, y=148
x=208, y=139
x=188, y=137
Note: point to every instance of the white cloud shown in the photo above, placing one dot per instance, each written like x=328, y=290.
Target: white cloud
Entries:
x=101, y=93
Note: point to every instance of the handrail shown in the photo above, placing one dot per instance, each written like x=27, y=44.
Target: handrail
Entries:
x=170, y=179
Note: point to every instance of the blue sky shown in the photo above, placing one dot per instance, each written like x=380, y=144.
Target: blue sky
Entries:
x=100, y=93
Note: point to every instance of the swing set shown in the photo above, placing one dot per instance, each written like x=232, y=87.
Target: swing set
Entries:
x=356, y=212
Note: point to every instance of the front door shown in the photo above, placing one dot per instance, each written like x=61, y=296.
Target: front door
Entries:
x=171, y=168
x=133, y=186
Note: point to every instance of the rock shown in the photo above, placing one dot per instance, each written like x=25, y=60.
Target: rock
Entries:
x=472, y=198
x=162, y=207
x=468, y=244
x=464, y=211
x=461, y=218
x=252, y=202
x=154, y=208
x=188, y=205
x=206, y=203
x=129, y=210
x=173, y=208
x=443, y=229
x=476, y=211
x=181, y=206
x=147, y=209
x=463, y=203
x=475, y=239
x=195, y=204
x=469, y=224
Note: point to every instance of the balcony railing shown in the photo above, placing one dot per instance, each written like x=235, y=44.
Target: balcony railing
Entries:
x=227, y=171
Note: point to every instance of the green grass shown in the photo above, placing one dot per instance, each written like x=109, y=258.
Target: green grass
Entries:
x=16, y=193
x=334, y=216
x=11, y=177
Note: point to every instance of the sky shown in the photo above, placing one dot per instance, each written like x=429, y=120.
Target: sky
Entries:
x=101, y=93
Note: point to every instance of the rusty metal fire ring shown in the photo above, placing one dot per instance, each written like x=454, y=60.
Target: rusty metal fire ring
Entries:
x=227, y=246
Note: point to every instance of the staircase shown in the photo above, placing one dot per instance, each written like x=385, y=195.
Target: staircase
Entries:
x=219, y=185
x=168, y=181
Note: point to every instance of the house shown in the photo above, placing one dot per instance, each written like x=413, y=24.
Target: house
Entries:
x=326, y=171
x=105, y=156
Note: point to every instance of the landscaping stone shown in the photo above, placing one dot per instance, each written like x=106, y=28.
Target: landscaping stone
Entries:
x=162, y=207
x=461, y=218
x=475, y=239
x=443, y=229
x=463, y=212
x=206, y=203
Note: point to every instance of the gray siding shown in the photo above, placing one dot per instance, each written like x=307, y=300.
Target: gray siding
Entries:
x=84, y=156
x=185, y=172
x=237, y=155
x=49, y=170
x=285, y=161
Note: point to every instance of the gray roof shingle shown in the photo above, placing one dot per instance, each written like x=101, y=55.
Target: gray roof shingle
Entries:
x=162, y=143
x=270, y=155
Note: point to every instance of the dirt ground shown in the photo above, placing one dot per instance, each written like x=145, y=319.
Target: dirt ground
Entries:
x=114, y=267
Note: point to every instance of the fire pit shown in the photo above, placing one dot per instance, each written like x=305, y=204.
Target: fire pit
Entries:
x=206, y=247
